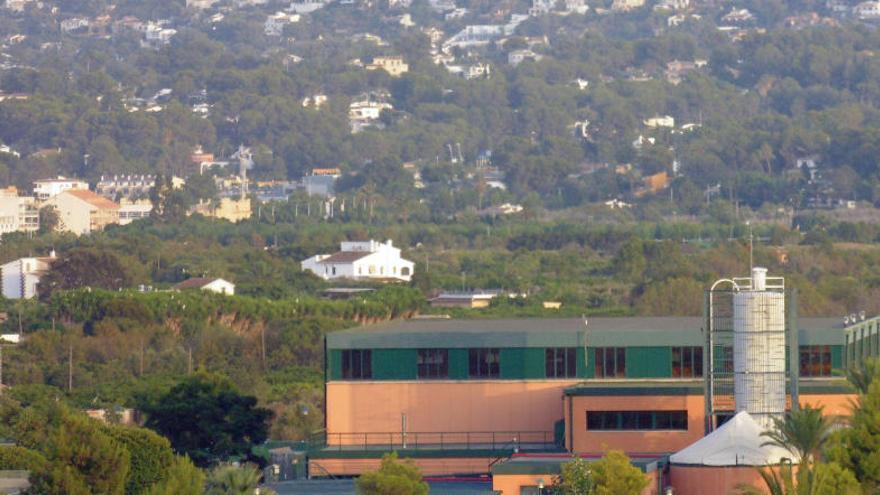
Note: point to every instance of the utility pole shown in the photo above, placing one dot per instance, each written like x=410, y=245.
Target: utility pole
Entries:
x=189, y=361
x=70, y=367
x=263, y=344
x=751, y=248
x=1, y=368
x=142, y=359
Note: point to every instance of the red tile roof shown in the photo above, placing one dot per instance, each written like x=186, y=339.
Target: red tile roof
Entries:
x=93, y=199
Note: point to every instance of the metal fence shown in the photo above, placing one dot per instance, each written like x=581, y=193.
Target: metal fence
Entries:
x=469, y=440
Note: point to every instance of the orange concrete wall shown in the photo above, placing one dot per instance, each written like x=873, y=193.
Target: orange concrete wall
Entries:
x=448, y=406
x=429, y=467
x=510, y=484
x=833, y=405
x=712, y=480
x=636, y=441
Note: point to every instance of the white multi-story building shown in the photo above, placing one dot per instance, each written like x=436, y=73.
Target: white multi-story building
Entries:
x=362, y=261
x=125, y=186
x=47, y=188
x=20, y=277
x=18, y=213
x=82, y=211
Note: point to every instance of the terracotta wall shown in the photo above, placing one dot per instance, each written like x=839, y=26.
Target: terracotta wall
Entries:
x=648, y=442
x=510, y=484
x=834, y=405
x=443, y=406
x=699, y=480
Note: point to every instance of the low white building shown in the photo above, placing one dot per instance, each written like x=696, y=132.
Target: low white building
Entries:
x=47, y=188
x=20, y=277
x=362, y=261
x=274, y=25
x=659, y=121
x=217, y=285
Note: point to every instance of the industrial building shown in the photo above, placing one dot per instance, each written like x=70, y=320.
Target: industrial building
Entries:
x=518, y=397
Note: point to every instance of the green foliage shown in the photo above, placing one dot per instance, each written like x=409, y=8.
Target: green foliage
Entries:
x=205, y=418
x=227, y=479
x=614, y=474
x=79, y=444
x=857, y=447
x=182, y=478
x=816, y=479
x=150, y=456
x=81, y=268
x=576, y=478
x=802, y=432
x=394, y=477
x=13, y=457
x=863, y=374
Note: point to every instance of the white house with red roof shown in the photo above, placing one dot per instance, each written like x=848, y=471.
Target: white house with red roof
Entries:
x=366, y=260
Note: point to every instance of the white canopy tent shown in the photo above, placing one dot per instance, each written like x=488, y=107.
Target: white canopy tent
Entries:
x=738, y=442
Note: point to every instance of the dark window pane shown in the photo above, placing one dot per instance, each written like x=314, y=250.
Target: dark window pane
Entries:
x=661, y=420
x=609, y=362
x=804, y=361
x=698, y=361
x=636, y=420
x=621, y=362
x=676, y=362
x=549, y=356
x=367, y=364
x=599, y=355
x=645, y=421
x=571, y=363
x=826, y=360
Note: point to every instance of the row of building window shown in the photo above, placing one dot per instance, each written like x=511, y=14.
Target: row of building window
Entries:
x=561, y=362
x=636, y=420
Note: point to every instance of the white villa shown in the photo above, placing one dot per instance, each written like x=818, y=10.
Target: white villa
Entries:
x=21, y=277
x=361, y=261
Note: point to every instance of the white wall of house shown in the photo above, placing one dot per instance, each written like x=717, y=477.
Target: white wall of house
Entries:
x=383, y=265
x=74, y=214
x=45, y=189
x=20, y=277
x=382, y=262
x=221, y=286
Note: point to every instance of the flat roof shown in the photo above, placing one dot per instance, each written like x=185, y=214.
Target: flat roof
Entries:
x=552, y=463
x=552, y=332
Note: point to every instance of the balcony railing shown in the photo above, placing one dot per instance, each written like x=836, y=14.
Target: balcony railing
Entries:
x=469, y=440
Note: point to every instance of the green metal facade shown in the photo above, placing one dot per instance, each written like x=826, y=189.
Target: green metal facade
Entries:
x=862, y=341
x=522, y=343
x=520, y=363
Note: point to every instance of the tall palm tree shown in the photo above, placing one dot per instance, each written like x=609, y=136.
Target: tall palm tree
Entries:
x=801, y=432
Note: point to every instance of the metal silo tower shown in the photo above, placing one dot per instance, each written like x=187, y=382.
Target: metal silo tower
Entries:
x=749, y=332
